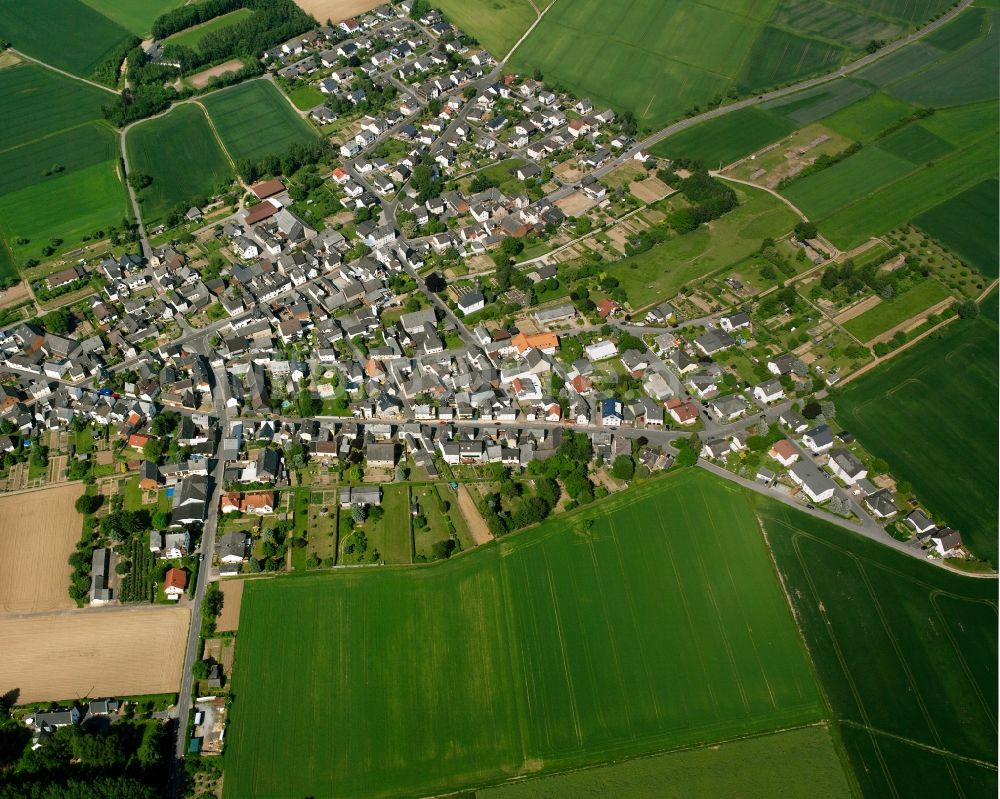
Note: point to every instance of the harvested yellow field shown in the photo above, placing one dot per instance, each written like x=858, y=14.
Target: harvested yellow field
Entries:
x=70, y=654
x=38, y=531
x=336, y=10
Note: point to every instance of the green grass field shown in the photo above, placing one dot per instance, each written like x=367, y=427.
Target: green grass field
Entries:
x=864, y=120
x=76, y=148
x=779, y=57
x=916, y=144
x=69, y=207
x=966, y=75
x=497, y=24
x=306, y=97
x=36, y=102
x=821, y=194
x=254, y=120
x=181, y=154
x=664, y=57
x=659, y=273
x=906, y=652
x=965, y=29
x=798, y=764
x=621, y=630
x=191, y=37
x=821, y=101
x=65, y=33
x=726, y=138
x=930, y=413
x=886, y=315
x=967, y=224
x=134, y=15
x=899, y=202
x=7, y=268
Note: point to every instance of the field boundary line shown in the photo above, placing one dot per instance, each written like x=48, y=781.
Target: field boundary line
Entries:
x=920, y=745
x=717, y=174
x=218, y=138
x=63, y=72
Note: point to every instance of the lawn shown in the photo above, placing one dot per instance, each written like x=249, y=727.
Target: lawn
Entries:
x=930, y=413
x=36, y=102
x=726, y=138
x=887, y=314
x=254, y=120
x=795, y=764
x=616, y=631
x=191, y=37
x=391, y=534
x=181, y=154
x=497, y=24
x=305, y=97
x=64, y=33
x=967, y=224
x=7, y=268
x=821, y=194
x=906, y=652
x=659, y=273
x=136, y=16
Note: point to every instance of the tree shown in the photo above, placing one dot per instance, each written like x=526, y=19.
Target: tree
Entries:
x=968, y=309
x=165, y=423
x=811, y=410
x=828, y=409
x=57, y=321
x=200, y=670
x=443, y=549
x=153, y=450
x=806, y=230
x=87, y=504
x=623, y=468
x=359, y=513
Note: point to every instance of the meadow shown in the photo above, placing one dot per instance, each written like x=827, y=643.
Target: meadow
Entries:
x=191, y=37
x=254, y=120
x=661, y=272
x=181, y=154
x=797, y=764
x=496, y=24
x=616, y=631
x=727, y=138
x=967, y=224
x=65, y=33
x=906, y=652
x=135, y=15
x=36, y=102
x=665, y=57
x=887, y=314
x=930, y=413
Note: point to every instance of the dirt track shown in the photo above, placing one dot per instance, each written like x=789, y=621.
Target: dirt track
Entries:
x=38, y=531
x=96, y=652
x=232, y=597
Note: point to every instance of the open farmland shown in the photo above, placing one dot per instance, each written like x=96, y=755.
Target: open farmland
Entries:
x=967, y=224
x=335, y=10
x=135, y=15
x=797, y=764
x=949, y=384
x=181, y=154
x=69, y=654
x=907, y=653
x=659, y=273
x=615, y=631
x=254, y=120
x=726, y=138
x=813, y=104
x=667, y=56
x=35, y=102
x=867, y=118
x=497, y=24
x=65, y=33
x=38, y=531
x=191, y=37
x=886, y=315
